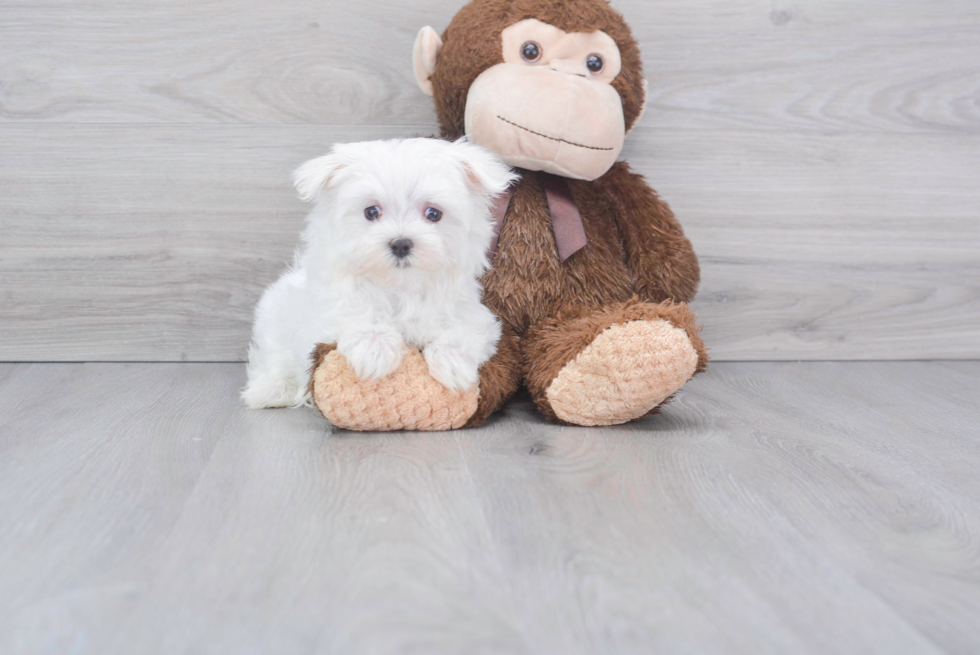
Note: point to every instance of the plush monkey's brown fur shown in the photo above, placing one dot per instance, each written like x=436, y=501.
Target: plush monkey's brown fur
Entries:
x=472, y=45
x=636, y=248
x=500, y=377
x=637, y=265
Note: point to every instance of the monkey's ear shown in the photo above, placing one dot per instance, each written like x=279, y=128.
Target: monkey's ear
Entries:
x=316, y=175
x=428, y=45
x=643, y=107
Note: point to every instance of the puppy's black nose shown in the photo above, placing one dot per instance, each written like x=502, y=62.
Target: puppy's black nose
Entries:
x=401, y=247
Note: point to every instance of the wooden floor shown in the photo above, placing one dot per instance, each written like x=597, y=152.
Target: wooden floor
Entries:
x=772, y=508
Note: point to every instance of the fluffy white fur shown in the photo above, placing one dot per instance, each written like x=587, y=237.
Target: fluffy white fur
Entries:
x=346, y=285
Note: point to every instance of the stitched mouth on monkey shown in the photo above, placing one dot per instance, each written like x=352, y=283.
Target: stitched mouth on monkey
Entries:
x=552, y=138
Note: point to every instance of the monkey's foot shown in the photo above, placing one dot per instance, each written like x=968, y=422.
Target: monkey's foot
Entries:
x=623, y=374
x=408, y=399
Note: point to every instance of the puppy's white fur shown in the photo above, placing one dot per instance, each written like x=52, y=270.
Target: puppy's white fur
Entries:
x=347, y=287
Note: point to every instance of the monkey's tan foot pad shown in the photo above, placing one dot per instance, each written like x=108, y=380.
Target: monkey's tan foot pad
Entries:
x=408, y=399
x=626, y=371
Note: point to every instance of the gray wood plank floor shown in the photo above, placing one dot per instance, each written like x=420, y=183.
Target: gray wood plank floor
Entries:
x=772, y=508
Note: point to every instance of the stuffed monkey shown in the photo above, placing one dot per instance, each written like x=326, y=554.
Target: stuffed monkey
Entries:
x=591, y=271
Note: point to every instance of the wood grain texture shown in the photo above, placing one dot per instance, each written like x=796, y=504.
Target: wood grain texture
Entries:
x=772, y=508
x=891, y=65
x=154, y=243
x=147, y=242
x=211, y=62
x=822, y=155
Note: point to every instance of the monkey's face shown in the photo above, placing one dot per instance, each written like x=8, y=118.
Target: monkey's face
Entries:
x=549, y=85
x=550, y=105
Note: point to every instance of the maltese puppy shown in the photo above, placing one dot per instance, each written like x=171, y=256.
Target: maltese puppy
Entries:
x=391, y=258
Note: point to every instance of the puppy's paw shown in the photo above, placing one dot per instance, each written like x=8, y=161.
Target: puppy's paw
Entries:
x=269, y=391
x=373, y=354
x=452, y=366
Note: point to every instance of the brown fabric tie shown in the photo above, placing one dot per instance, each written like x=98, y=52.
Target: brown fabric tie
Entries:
x=566, y=221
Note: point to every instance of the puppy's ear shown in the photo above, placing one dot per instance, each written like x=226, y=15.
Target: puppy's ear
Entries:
x=486, y=174
x=316, y=175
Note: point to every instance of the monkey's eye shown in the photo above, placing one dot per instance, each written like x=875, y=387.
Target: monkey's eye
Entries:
x=433, y=214
x=594, y=63
x=531, y=52
x=372, y=213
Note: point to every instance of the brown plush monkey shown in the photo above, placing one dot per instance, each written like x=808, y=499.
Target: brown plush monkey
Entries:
x=591, y=270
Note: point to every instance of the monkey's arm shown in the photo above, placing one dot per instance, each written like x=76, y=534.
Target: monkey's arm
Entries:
x=657, y=253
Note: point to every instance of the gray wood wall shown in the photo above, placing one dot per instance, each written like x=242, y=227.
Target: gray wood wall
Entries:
x=823, y=156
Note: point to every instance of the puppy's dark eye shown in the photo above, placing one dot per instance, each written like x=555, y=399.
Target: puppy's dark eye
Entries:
x=531, y=52
x=372, y=213
x=594, y=63
x=433, y=214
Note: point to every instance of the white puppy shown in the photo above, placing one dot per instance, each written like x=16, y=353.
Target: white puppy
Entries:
x=391, y=257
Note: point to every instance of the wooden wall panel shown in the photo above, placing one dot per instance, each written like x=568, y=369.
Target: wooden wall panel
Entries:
x=824, y=157
x=896, y=65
